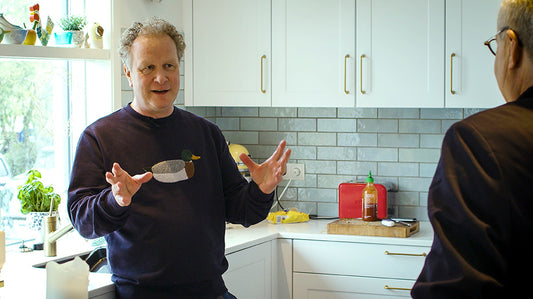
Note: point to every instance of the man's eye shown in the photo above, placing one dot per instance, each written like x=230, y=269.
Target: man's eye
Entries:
x=147, y=69
x=170, y=66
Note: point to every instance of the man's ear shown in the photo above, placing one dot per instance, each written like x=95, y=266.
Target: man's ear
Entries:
x=128, y=74
x=514, y=48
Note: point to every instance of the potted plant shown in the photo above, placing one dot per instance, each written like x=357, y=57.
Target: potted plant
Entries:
x=73, y=25
x=35, y=200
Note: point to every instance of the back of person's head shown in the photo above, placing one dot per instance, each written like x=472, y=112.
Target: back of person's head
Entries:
x=518, y=16
x=151, y=26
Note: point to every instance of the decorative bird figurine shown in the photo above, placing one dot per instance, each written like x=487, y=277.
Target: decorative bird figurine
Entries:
x=172, y=171
x=96, y=34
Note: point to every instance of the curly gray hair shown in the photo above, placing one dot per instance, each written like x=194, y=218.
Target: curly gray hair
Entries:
x=151, y=26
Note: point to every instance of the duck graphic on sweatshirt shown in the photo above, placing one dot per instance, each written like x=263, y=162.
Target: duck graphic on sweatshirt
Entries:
x=172, y=171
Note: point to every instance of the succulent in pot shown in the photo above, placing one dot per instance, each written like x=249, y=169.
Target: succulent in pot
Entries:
x=75, y=25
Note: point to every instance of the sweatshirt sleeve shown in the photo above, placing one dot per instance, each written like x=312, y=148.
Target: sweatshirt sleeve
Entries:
x=91, y=205
x=470, y=220
x=245, y=203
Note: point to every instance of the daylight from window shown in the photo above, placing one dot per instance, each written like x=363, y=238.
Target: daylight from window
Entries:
x=43, y=109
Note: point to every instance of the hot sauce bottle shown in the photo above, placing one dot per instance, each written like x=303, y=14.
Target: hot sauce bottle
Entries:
x=370, y=200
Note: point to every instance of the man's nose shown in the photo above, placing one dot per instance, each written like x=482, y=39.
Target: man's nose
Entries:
x=160, y=77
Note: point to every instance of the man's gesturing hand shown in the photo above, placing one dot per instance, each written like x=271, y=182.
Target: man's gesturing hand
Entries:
x=123, y=185
x=270, y=173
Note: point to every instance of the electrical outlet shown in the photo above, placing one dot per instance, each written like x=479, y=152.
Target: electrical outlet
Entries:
x=295, y=172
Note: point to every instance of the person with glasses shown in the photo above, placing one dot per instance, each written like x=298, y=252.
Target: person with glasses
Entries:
x=480, y=202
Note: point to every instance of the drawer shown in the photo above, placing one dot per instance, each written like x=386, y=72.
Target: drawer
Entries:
x=318, y=286
x=362, y=259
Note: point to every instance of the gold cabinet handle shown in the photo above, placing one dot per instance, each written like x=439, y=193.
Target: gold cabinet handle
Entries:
x=451, y=73
x=361, y=74
x=393, y=288
x=262, y=58
x=405, y=254
x=345, y=58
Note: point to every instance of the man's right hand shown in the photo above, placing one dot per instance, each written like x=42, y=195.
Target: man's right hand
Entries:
x=123, y=185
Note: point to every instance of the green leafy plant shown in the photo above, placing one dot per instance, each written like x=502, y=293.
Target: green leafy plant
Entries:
x=72, y=23
x=34, y=197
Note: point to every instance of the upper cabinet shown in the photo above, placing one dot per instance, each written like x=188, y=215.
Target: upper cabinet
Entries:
x=313, y=47
x=470, y=80
x=231, y=53
x=400, y=50
x=340, y=53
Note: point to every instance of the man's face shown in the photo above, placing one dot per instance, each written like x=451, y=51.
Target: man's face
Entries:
x=154, y=75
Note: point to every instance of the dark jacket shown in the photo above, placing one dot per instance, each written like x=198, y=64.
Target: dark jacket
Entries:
x=480, y=205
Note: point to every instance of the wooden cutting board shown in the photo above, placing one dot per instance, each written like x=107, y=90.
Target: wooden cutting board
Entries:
x=356, y=226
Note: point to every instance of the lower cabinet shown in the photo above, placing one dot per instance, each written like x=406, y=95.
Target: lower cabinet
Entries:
x=315, y=286
x=294, y=268
x=250, y=272
x=326, y=269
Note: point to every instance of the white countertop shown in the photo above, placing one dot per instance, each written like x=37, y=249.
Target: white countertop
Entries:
x=22, y=280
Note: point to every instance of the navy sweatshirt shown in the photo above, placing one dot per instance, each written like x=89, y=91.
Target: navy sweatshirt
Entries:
x=171, y=237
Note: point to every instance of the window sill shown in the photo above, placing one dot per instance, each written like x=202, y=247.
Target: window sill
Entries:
x=32, y=52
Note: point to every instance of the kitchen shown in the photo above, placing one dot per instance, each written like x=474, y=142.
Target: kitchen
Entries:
x=400, y=144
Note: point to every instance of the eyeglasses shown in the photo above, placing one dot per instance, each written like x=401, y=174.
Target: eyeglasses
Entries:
x=492, y=44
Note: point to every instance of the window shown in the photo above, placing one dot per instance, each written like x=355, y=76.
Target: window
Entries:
x=44, y=106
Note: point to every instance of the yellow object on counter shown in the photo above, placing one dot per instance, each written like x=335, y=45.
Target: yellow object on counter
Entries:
x=287, y=217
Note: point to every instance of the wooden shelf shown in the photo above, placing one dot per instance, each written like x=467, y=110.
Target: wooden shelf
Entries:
x=40, y=52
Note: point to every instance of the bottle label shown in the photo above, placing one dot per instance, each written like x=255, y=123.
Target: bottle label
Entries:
x=370, y=196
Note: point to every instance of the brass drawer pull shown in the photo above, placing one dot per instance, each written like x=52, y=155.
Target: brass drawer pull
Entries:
x=345, y=57
x=262, y=58
x=361, y=74
x=393, y=288
x=451, y=73
x=406, y=254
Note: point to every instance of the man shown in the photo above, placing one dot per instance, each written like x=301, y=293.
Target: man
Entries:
x=480, y=201
x=164, y=228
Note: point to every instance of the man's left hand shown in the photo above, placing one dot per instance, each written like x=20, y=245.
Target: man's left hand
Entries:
x=268, y=174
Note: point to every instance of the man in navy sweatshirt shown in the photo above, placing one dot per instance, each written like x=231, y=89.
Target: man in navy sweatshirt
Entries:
x=159, y=182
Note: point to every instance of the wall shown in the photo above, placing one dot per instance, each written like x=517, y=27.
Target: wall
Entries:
x=400, y=146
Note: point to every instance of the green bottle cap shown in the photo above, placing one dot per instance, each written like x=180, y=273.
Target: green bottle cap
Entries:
x=369, y=179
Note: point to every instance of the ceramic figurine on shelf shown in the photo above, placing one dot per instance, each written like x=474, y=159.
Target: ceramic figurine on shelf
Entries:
x=44, y=35
x=31, y=37
x=96, y=34
x=86, y=41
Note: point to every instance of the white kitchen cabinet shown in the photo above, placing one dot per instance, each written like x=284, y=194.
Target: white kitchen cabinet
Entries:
x=250, y=272
x=313, y=47
x=325, y=269
x=231, y=52
x=400, y=50
x=319, y=286
x=282, y=270
x=470, y=80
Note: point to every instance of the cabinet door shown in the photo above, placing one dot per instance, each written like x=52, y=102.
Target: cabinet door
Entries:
x=313, y=47
x=470, y=80
x=231, y=53
x=250, y=272
x=359, y=259
x=400, y=50
x=319, y=286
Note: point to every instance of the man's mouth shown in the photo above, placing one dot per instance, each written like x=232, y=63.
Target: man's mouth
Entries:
x=160, y=91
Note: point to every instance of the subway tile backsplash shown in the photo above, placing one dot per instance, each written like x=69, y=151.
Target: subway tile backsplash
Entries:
x=400, y=146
